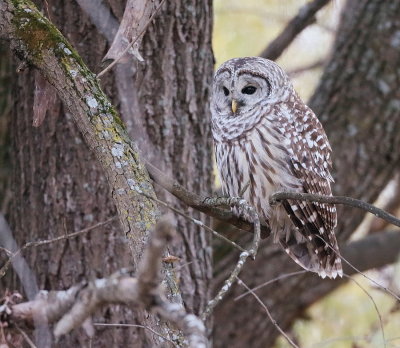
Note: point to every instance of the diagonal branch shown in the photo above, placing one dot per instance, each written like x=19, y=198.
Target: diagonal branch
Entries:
x=19, y=264
x=33, y=37
x=199, y=202
x=303, y=19
x=35, y=40
x=71, y=308
x=249, y=211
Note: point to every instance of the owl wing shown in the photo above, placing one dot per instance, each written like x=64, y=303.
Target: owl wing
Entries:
x=310, y=157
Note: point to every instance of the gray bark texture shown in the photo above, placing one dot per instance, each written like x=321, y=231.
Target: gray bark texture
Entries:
x=58, y=186
x=358, y=102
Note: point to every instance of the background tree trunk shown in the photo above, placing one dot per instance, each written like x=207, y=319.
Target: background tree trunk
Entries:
x=358, y=103
x=58, y=187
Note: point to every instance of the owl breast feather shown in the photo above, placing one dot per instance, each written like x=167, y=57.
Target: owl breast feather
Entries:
x=258, y=161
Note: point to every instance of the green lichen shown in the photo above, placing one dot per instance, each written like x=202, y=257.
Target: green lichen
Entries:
x=40, y=37
x=34, y=30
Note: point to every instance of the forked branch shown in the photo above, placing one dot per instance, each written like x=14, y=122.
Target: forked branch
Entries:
x=71, y=308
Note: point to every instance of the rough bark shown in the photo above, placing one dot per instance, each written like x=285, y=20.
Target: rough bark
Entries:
x=5, y=109
x=59, y=186
x=174, y=87
x=358, y=103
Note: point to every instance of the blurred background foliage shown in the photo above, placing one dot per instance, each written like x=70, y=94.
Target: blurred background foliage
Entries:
x=347, y=318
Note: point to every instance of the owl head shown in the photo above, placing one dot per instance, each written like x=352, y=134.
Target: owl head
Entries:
x=242, y=85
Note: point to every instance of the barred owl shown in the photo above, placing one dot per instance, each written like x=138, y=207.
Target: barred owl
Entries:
x=267, y=139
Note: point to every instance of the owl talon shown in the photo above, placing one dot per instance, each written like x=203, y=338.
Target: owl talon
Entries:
x=217, y=201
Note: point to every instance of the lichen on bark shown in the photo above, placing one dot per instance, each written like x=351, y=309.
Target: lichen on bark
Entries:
x=38, y=41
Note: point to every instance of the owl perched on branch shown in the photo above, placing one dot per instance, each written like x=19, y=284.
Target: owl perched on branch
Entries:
x=267, y=140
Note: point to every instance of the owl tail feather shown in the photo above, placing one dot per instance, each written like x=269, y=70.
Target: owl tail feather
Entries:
x=304, y=255
x=315, y=249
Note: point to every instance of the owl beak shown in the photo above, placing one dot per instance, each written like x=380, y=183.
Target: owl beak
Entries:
x=234, y=105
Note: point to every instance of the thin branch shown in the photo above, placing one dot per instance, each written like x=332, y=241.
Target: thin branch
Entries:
x=136, y=325
x=149, y=293
x=132, y=42
x=391, y=204
x=246, y=209
x=363, y=274
x=273, y=321
x=198, y=223
x=352, y=202
x=199, y=202
x=283, y=276
x=27, y=245
x=268, y=16
x=70, y=308
x=302, y=69
x=8, y=252
x=304, y=18
x=26, y=337
x=375, y=305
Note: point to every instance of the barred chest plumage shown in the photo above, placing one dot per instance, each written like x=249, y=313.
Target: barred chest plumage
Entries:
x=258, y=158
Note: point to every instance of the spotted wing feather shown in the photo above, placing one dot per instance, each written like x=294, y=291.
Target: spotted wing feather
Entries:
x=310, y=157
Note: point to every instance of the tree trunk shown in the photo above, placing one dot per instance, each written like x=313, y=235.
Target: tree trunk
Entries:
x=358, y=103
x=58, y=186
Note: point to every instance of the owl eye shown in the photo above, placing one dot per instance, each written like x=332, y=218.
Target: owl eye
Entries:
x=249, y=90
x=226, y=91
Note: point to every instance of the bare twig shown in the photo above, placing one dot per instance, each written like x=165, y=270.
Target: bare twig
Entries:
x=26, y=338
x=27, y=245
x=8, y=252
x=199, y=202
x=363, y=274
x=314, y=65
x=273, y=321
x=391, y=204
x=283, y=276
x=136, y=325
x=198, y=223
x=304, y=18
x=191, y=326
x=244, y=207
x=267, y=15
x=371, y=280
x=356, y=203
x=132, y=42
x=375, y=305
x=72, y=307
